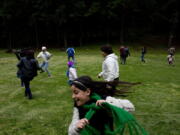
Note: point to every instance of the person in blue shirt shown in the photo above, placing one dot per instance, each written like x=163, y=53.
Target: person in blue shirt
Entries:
x=70, y=52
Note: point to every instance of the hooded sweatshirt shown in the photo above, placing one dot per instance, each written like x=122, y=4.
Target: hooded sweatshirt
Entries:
x=110, y=68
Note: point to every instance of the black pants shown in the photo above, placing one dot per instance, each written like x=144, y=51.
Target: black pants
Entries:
x=123, y=59
x=116, y=79
x=112, y=92
x=26, y=82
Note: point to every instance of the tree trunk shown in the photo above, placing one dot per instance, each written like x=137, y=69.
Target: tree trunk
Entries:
x=170, y=39
x=10, y=41
x=36, y=34
x=58, y=25
x=81, y=40
x=81, y=35
x=107, y=33
x=122, y=26
x=173, y=28
x=58, y=34
x=65, y=39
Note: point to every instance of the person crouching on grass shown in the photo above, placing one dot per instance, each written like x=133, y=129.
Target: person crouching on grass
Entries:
x=96, y=113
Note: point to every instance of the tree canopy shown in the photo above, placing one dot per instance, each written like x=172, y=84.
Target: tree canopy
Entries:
x=62, y=23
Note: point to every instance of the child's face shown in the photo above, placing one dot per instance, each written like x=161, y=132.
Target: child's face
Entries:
x=103, y=54
x=80, y=97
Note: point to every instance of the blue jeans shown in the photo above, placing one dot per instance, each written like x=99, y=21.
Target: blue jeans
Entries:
x=44, y=66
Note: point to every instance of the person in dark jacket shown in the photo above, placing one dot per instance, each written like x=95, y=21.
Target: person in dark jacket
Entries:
x=27, y=70
x=19, y=55
x=143, y=52
x=124, y=53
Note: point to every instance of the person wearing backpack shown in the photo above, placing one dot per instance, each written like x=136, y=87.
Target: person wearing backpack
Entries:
x=70, y=52
x=19, y=55
x=27, y=69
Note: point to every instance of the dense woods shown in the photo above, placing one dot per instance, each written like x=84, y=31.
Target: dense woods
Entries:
x=61, y=23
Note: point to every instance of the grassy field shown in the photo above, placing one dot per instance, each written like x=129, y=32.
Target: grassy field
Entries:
x=49, y=113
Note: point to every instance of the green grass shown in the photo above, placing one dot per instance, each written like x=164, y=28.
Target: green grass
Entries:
x=49, y=113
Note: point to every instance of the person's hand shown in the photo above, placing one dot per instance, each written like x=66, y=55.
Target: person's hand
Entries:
x=82, y=123
x=99, y=76
x=99, y=102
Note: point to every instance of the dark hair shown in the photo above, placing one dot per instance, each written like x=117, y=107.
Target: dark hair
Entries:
x=30, y=54
x=83, y=82
x=27, y=52
x=107, y=49
x=102, y=88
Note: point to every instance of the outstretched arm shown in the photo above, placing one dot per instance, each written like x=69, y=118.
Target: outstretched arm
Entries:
x=17, y=53
x=73, y=130
x=121, y=103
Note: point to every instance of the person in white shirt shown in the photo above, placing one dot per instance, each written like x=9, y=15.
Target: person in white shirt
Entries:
x=171, y=50
x=110, y=66
x=71, y=72
x=45, y=55
x=170, y=59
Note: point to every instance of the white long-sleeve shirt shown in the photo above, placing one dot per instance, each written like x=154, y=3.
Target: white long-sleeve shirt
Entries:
x=121, y=103
x=72, y=73
x=44, y=55
x=110, y=68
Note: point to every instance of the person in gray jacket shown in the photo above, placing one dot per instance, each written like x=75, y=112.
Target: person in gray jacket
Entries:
x=110, y=66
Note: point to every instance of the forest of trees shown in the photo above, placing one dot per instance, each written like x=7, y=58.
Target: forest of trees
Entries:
x=61, y=23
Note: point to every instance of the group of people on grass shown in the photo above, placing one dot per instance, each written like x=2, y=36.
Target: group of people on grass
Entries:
x=96, y=110
x=71, y=72
x=28, y=66
x=125, y=52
